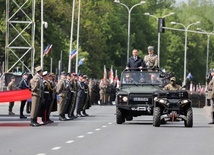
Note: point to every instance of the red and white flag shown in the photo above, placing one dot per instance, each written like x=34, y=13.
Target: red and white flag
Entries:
x=111, y=75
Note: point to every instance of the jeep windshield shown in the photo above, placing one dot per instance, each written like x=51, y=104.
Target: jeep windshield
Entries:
x=141, y=78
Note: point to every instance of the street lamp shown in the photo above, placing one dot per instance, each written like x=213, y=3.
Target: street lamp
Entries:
x=129, y=19
x=208, y=46
x=185, y=46
x=148, y=14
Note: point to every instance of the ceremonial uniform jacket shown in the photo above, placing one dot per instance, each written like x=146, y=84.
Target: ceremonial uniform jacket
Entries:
x=62, y=88
x=211, y=89
x=36, y=85
x=151, y=60
x=48, y=90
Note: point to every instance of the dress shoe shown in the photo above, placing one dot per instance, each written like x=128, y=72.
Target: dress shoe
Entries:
x=85, y=114
x=50, y=121
x=62, y=119
x=211, y=123
x=78, y=115
x=22, y=117
x=11, y=113
x=33, y=124
x=70, y=117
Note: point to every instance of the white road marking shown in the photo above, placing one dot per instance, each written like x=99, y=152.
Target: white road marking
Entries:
x=41, y=154
x=81, y=136
x=89, y=133
x=110, y=123
x=104, y=126
x=97, y=129
x=56, y=148
x=70, y=141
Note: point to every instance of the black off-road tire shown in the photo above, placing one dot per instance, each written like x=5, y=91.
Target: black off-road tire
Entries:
x=119, y=116
x=189, y=115
x=157, y=117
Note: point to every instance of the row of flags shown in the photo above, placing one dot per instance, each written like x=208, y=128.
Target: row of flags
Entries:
x=111, y=78
x=72, y=54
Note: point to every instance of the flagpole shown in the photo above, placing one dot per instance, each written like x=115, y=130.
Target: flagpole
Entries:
x=42, y=34
x=71, y=37
x=51, y=64
x=78, y=27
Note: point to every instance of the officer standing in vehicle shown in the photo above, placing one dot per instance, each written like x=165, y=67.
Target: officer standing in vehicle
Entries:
x=211, y=91
x=36, y=89
x=62, y=90
x=172, y=85
x=151, y=59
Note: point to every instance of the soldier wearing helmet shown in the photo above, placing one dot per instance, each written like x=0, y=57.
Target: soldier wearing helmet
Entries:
x=172, y=85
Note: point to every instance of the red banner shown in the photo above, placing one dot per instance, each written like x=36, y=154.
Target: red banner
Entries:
x=15, y=95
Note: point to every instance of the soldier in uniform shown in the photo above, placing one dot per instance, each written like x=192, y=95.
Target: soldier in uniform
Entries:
x=23, y=85
x=211, y=95
x=69, y=95
x=62, y=90
x=151, y=59
x=172, y=85
x=86, y=102
x=11, y=86
x=36, y=89
x=80, y=95
x=103, y=87
x=74, y=79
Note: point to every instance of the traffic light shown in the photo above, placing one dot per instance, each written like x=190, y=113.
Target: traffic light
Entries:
x=161, y=24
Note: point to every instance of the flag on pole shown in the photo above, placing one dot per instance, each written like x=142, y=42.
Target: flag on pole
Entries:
x=191, y=87
x=189, y=76
x=116, y=76
x=47, y=49
x=81, y=61
x=111, y=75
x=73, y=53
x=105, y=75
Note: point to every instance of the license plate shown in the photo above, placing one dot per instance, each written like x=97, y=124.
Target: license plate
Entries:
x=139, y=108
x=140, y=99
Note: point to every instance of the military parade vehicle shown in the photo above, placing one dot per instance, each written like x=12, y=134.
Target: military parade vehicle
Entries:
x=172, y=106
x=135, y=95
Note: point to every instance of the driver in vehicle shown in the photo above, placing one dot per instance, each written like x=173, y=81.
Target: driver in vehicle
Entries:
x=172, y=85
x=128, y=79
x=154, y=79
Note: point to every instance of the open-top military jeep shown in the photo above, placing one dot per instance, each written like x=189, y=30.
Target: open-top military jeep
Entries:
x=135, y=95
x=172, y=106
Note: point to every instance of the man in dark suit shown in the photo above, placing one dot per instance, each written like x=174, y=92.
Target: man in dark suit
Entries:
x=135, y=62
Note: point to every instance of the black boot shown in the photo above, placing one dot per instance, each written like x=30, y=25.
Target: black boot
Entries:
x=34, y=122
x=84, y=113
x=62, y=117
x=28, y=107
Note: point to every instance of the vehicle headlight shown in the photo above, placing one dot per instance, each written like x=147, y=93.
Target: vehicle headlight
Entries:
x=185, y=101
x=125, y=99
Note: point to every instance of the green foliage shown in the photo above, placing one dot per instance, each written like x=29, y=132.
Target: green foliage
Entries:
x=103, y=34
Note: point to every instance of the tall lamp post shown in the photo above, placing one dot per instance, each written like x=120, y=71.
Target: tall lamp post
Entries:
x=208, y=46
x=185, y=46
x=129, y=19
x=148, y=14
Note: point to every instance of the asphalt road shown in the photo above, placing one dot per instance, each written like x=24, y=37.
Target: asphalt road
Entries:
x=98, y=134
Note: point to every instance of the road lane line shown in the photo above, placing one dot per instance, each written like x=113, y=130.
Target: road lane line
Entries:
x=110, y=123
x=89, y=133
x=81, y=136
x=41, y=154
x=70, y=141
x=98, y=129
x=104, y=126
x=56, y=148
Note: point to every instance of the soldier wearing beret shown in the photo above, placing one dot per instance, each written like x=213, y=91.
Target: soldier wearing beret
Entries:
x=151, y=59
x=172, y=85
x=11, y=86
x=36, y=89
x=62, y=90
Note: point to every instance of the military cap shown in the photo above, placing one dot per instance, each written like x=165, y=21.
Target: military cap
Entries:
x=45, y=73
x=84, y=76
x=81, y=75
x=172, y=79
x=52, y=74
x=151, y=48
x=69, y=74
x=38, y=68
x=63, y=73
x=74, y=74
x=12, y=77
